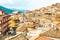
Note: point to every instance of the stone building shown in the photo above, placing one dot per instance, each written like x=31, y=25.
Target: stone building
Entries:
x=4, y=22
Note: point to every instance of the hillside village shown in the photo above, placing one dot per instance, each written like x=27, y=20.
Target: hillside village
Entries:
x=38, y=24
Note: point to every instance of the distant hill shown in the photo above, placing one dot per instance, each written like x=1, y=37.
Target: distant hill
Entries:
x=20, y=10
x=9, y=11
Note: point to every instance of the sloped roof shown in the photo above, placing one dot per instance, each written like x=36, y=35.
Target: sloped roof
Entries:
x=43, y=38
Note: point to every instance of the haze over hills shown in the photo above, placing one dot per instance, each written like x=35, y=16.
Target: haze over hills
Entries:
x=9, y=11
x=20, y=10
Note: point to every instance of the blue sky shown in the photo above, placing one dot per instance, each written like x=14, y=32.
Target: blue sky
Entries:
x=27, y=4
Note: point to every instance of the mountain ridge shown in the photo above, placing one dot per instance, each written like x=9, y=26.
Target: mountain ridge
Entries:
x=9, y=11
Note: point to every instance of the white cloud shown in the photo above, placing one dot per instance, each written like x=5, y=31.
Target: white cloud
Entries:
x=12, y=7
x=33, y=4
x=10, y=1
x=27, y=4
x=6, y=2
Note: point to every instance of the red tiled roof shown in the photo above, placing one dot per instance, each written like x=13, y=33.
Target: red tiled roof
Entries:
x=43, y=38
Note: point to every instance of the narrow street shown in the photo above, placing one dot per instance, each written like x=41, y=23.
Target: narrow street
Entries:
x=0, y=37
x=38, y=31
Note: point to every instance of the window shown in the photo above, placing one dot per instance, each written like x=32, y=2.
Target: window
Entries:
x=0, y=27
x=48, y=13
x=0, y=22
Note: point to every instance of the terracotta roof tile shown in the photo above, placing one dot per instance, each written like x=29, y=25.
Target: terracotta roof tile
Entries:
x=43, y=38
